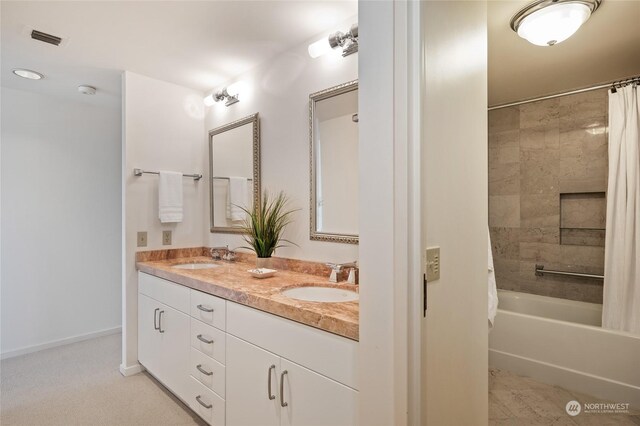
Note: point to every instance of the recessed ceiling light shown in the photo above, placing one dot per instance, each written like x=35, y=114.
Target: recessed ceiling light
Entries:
x=31, y=75
x=549, y=22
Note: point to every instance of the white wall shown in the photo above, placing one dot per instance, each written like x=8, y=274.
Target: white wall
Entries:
x=60, y=219
x=455, y=205
x=279, y=91
x=163, y=130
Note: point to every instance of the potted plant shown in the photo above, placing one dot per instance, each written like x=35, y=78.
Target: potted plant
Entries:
x=264, y=226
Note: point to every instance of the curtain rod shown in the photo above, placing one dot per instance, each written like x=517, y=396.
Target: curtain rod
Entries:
x=611, y=84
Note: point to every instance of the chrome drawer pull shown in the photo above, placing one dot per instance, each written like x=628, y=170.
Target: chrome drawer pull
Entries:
x=202, y=339
x=282, y=403
x=155, y=323
x=203, y=371
x=207, y=406
x=272, y=368
x=202, y=308
x=160, y=322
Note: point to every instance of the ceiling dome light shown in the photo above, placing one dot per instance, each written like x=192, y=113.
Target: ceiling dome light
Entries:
x=31, y=75
x=549, y=22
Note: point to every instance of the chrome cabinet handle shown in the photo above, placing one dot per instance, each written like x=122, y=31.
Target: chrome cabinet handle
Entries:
x=271, y=397
x=155, y=325
x=202, y=339
x=202, y=308
x=207, y=406
x=282, y=403
x=160, y=322
x=203, y=371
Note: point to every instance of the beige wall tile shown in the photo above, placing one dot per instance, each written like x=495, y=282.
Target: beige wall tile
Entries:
x=504, y=211
x=541, y=113
x=539, y=210
x=504, y=119
x=504, y=179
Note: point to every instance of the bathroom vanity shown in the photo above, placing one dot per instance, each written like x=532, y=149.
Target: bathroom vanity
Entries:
x=239, y=352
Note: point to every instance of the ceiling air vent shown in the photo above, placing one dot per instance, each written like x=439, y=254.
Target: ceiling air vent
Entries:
x=46, y=38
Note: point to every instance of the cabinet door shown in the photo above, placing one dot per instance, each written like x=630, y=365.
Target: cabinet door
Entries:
x=312, y=399
x=174, y=346
x=149, y=353
x=249, y=370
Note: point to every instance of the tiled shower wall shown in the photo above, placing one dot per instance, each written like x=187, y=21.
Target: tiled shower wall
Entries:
x=547, y=180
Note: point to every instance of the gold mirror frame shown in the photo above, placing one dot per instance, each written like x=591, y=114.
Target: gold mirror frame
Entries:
x=256, y=167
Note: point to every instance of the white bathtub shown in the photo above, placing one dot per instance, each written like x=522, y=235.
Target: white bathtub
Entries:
x=560, y=342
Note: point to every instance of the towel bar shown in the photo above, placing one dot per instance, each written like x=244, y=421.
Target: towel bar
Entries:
x=139, y=172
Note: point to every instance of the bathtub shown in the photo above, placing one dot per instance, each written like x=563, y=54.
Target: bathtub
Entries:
x=560, y=342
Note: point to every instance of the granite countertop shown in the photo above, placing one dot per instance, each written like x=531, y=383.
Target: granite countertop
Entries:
x=231, y=281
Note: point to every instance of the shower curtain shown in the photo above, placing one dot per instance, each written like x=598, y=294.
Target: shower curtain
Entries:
x=621, y=304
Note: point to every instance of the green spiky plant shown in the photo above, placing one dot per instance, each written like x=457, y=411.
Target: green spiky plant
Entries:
x=265, y=224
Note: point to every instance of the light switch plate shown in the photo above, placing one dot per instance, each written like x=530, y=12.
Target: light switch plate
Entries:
x=433, y=264
x=142, y=239
x=166, y=238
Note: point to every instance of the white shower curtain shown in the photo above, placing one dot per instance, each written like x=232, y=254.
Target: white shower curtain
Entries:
x=621, y=304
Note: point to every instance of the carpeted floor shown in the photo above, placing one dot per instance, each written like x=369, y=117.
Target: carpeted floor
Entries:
x=80, y=384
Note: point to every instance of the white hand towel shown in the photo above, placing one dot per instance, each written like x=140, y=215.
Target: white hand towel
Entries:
x=170, y=197
x=493, y=291
x=237, y=197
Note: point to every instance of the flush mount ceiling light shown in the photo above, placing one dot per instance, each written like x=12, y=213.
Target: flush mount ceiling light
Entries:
x=228, y=94
x=87, y=90
x=348, y=42
x=31, y=75
x=549, y=22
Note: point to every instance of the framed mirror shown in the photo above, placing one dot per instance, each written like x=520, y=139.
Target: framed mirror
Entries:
x=333, y=141
x=234, y=173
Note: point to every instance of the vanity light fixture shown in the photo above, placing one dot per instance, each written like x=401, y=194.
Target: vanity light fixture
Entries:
x=348, y=42
x=31, y=75
x=228, y=94
x=549, y=22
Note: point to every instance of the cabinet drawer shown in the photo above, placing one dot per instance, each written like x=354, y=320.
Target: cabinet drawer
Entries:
x=171, y=294
x=206, y=403
x=208, y=371
x=208, y=309
x=208, y=340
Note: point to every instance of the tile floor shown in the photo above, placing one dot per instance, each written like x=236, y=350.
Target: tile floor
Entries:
x=521, y=401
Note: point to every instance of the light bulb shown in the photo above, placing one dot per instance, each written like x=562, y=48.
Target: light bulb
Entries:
x=554, y=23
x=319, y=48
x=208, y=100
x=236, y=88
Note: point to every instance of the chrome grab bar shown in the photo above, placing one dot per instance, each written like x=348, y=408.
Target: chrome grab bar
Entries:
x=540, y=271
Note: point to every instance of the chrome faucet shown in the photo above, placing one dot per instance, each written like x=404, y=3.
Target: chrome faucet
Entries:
x=336, y=268
x=228, y=255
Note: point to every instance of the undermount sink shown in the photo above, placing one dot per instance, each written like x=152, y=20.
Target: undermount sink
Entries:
x=312, y=293
x=195, y=266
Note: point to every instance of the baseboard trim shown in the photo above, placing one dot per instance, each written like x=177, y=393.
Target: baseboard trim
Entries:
x=131, y=370
x=61, y=342
x=573, y=380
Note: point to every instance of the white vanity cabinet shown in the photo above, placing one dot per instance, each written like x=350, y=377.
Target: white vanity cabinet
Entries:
x=264, y=389
x=163, y=343
x=239, y=366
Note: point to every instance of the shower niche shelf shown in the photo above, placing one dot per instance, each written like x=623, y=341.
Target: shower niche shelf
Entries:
x=583, y=218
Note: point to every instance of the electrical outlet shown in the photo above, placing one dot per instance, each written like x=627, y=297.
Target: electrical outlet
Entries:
x=142, y=239
x=166, y=238
x=433, y=264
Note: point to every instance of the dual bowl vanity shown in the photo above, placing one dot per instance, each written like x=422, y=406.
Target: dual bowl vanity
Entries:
x=245, y=351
